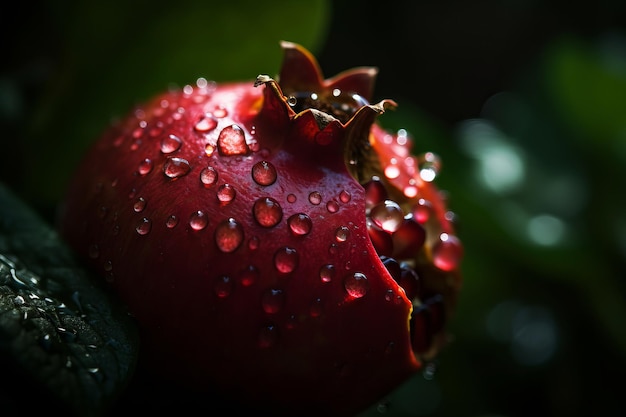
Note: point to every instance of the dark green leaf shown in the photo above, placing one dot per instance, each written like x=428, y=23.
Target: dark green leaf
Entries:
x=63, y=343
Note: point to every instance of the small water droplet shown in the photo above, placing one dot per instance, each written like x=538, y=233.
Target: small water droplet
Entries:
x=209, y=149
x=198, y=220
x=316, y=308
x=264, y=173
x=220, y=112
x=429, y=166
x=226, y=193
x=342, y=234
x=223, y=286
x=249, y=275
x=332, y=206
x=267, y=212
x=144, y=226
x=315, y=198
x=206, y=124
x=171, y=221
x=447, y=252
x=286, y=260
x=108, y=266
x=228, y=235
x=208, y=176
x=300, y=224
x=387, y=215
x=422, y=210
x=145, y=167
x=272, y=300
x=232, y=141
x=176, y=167
x=345, y=196
x=253, y=243
x=268, y=336
x=327, y=272
x=291, y=198
x=170, y=143
x=139, y=205
x=94, y=251
x=356, y=284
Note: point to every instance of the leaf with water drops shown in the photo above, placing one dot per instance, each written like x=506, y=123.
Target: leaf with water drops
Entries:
x=64, y=345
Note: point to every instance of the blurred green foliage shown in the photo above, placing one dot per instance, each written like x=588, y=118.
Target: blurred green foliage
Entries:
x=525, y=102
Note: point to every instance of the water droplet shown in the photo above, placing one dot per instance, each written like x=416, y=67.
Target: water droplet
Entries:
x=94, y=251
x=332, y=206
x=264, y=173
x=422, y=210
x=144, y=226
x=139, y=205
x=226, y=193
x=176, y=167
x=206, y=124
x=286, y=260
x=447, y=252
x=249, y=275
x=316, y=308
x=228, y=235
x=268, y=336
x=327, y=272
x=171, y=221
x=356, y=284
x=300, y=224
x=253, y=243
x=267, y=212
x=208, y=176
x=387, y=215
x=145, y=166
x=198, y=220
x=272, y=301
x=429, y=166
x=375, y=192
x=345, y=196
x=220, y=112
x=315, y=198
x=291, y=198
x=209, y=149
x=232, y=141
x=170, y=143
x=223, y=286
x=108, y=266
x=342, y=234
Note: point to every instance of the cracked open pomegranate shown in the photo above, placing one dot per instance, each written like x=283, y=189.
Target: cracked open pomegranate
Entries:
x=273, y=242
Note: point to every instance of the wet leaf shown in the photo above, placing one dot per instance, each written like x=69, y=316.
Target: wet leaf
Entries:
x=64, y=344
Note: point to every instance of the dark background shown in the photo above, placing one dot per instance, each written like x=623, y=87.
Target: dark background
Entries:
x=525, y=102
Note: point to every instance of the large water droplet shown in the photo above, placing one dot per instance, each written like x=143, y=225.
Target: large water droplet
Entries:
x=145, y=166
x=356, y=284
x=232, y=141
x=171, y=221
x=387, y=215
x=226, y=193
x=300, y=224
x=267, y=212
x=447, y=252
x=198, y=220
x=228, y=235
x=223, y=286
x=176, y=167
x=264, y=173
x=272, y=300
x=332, y=206
x=286, y=260
x=170, y=143
x=144, y=226
x=208, y=176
